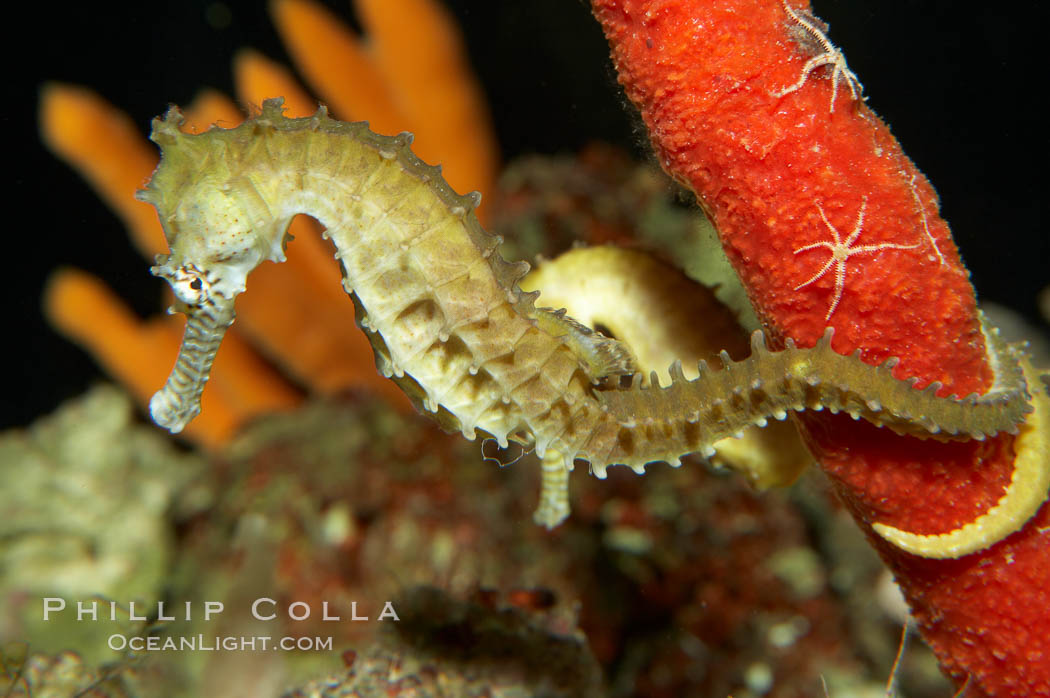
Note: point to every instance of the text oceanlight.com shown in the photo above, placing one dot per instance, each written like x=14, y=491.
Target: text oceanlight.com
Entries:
x=204, y=643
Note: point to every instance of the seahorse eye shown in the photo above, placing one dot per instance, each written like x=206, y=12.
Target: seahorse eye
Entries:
x=190, y=284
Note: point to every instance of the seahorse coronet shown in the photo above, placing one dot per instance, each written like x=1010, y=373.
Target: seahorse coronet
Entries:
x=449, y=322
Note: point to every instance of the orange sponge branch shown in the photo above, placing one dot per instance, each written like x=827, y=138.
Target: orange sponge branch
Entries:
x=827, y=222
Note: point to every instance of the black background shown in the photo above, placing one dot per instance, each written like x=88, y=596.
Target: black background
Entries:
x=959, y=83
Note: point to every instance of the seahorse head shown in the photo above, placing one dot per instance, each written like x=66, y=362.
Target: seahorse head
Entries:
x=215, y=241
x=217, y=225
x=218, y=229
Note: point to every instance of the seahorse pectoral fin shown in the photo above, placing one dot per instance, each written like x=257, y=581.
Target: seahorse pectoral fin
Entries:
x=602, y=356
x=1023, y=496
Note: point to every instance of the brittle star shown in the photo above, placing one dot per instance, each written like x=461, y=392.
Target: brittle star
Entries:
x=831, y=56
x=841, y=251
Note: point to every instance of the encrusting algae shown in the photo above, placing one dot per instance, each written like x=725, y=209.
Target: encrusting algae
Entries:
x=351, y=501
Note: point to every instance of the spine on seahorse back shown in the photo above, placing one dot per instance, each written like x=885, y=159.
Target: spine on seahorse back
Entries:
x=447, y=319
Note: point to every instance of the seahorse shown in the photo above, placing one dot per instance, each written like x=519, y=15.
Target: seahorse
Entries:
x=449, y=323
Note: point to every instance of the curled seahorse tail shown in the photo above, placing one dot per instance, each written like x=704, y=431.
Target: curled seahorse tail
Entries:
x=653, y=423
x=178, y=402
x=846, y=384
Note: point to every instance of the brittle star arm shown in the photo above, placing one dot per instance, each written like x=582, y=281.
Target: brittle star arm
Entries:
x=831, y=55
x=925, y=222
